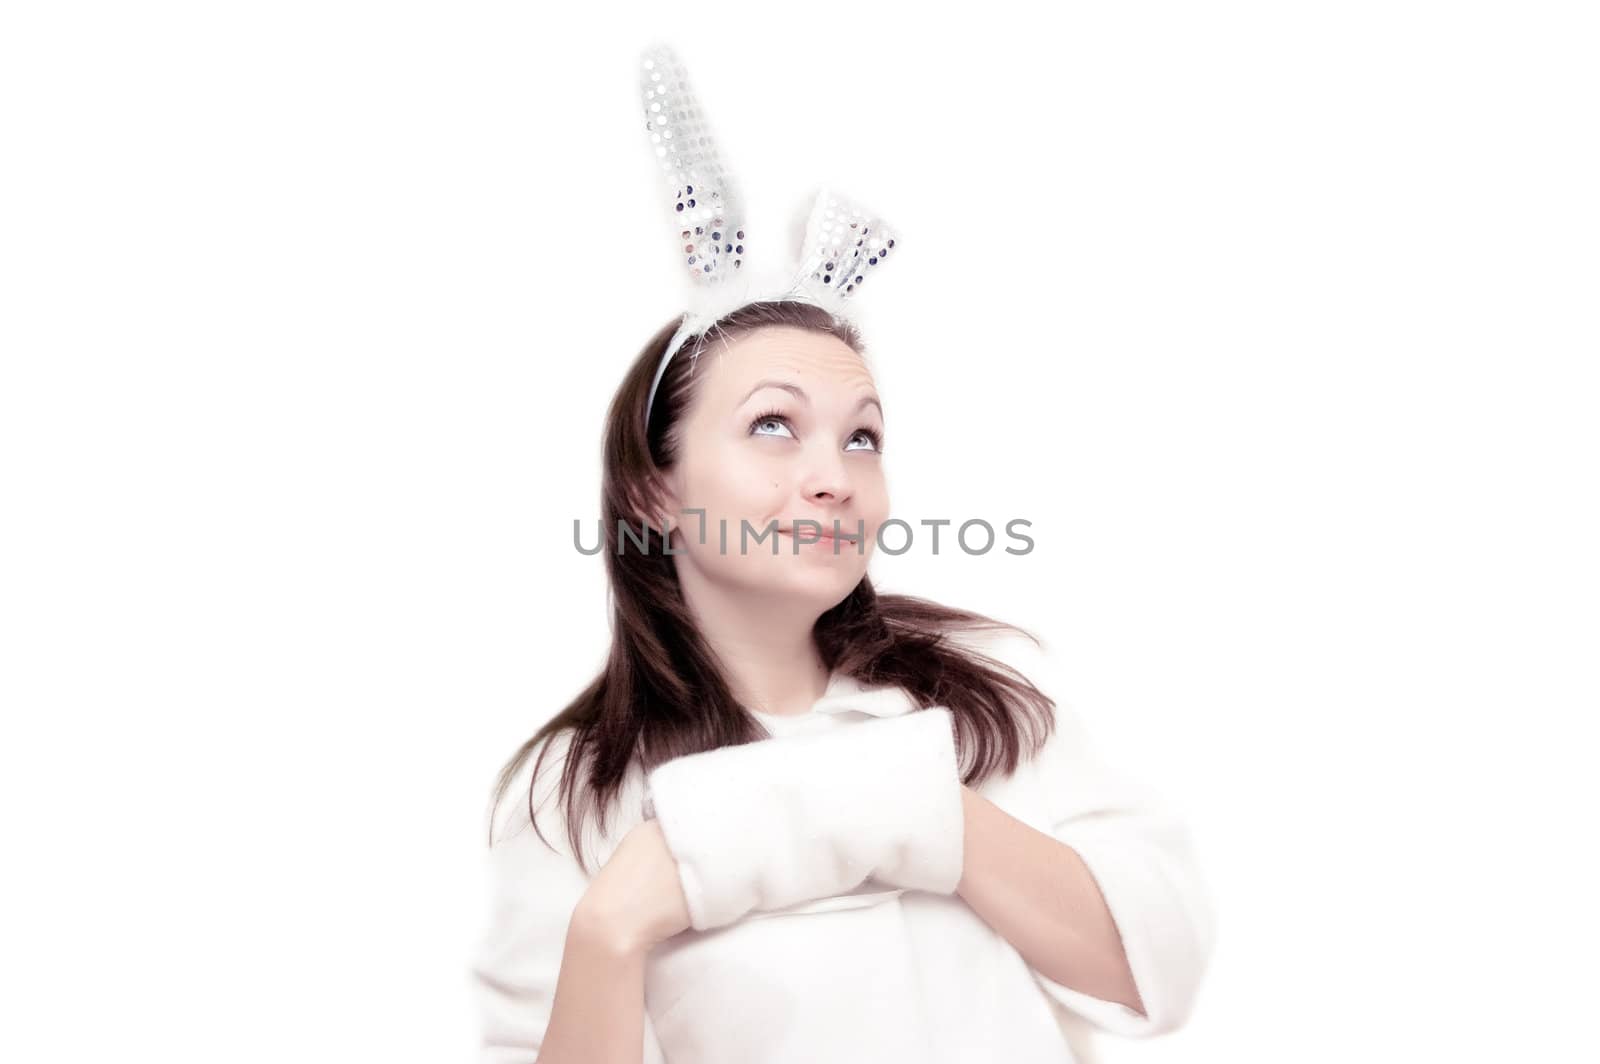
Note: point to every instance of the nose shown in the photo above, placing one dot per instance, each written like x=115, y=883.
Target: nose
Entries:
x=827, y=477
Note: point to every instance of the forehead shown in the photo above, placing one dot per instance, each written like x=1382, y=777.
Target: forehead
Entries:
x=818, y=362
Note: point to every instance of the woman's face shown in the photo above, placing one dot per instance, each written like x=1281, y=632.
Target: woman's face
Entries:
x=783, y=427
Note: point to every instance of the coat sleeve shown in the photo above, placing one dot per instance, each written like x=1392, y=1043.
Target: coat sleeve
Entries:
x=532, y=891
x=1141, y=855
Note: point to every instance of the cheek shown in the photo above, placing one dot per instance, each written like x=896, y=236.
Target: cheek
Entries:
x=754, y=472
x=872, y=498
x=737, y=481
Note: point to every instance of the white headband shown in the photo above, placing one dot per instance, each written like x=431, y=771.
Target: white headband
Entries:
x=842, y=245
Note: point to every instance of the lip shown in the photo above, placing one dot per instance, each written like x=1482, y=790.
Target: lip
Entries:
x=810, y=536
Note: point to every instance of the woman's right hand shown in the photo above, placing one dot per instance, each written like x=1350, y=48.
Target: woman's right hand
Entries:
x=636, y=900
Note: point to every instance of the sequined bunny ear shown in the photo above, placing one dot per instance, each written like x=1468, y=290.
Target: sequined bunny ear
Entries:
x=844, y=244
x=706, y=212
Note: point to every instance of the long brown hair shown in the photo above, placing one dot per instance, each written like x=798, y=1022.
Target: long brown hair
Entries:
x=660, y=694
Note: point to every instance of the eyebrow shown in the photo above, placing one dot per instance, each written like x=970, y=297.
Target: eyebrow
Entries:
x=799, y=393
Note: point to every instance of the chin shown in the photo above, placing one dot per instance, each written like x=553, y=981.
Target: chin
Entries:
x=825, y=588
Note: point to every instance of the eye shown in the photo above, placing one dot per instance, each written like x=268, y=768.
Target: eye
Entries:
x=771, y=417
x=871, y=436
x=863, y=439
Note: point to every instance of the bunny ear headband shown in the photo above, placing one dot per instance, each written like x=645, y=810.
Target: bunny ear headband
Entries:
x=842, y=243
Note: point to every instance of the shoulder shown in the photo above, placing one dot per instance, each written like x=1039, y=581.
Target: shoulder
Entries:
x=532, y=795
x=1036, y=661
x=533, y=810
x=1009, y=646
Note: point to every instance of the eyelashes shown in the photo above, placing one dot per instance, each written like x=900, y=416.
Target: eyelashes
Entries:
x=777, y=415
x=874, y=435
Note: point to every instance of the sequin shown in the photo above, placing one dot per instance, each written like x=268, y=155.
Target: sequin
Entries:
x=690, y=165
x=833, y=218
x=704, y=199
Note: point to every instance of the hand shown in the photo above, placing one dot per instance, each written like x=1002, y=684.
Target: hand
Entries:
x=636, y=901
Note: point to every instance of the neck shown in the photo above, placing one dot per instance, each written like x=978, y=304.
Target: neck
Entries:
x=764, y=647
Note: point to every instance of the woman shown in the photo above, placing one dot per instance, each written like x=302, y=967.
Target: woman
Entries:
x=793, y=819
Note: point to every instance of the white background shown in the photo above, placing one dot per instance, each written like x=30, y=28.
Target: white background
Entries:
x=1278, y=321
